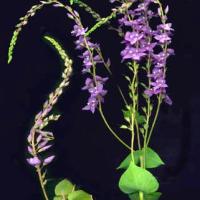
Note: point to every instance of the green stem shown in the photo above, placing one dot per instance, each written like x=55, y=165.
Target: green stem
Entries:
x=42, y=183
x=138, y=134
x=88, y=9
x=155, y=119
x=134, y=96
x=110, y=129
x=141, y=195
x=105, y=20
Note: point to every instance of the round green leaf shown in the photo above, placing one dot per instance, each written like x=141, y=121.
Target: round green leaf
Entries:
x=79, y=195
x=64, y=187
x=153, y=196
x=136, y=179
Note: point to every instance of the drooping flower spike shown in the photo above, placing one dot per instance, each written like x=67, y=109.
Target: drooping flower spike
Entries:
x=91, y=56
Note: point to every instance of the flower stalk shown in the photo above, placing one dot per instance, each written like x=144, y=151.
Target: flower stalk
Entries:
x=39, y=140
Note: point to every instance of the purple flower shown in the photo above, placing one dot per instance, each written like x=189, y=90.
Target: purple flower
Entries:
x=163, y=38
x=168, y=100
x=133, y=53
x=133, y=37
x=44, y=148
x=42, y=144
x=78, y=31
x=91, y=104
x=159, y=84
x=30, y=150
x=97, y=93
x=48, y=160
x=166, y=27
x=156, y=73
x=35, y=161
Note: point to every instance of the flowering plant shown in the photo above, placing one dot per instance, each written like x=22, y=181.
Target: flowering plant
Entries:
x=145, y=33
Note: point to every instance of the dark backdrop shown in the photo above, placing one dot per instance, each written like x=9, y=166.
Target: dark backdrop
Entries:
x=86, y=152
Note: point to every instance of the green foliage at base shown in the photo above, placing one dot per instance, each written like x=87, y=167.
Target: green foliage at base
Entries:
x=153, y=196
x=152, y=159
x=67, y=190
x=137, y=179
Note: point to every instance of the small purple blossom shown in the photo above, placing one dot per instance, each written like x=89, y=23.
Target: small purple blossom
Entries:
x=163, y=38
x=132, y=53
x=133, y=37
x=78, y=31
x=35, y=161
x=48, y=160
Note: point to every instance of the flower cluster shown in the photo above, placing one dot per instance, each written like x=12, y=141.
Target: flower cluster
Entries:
x=91, y=57
x=96, y=92
x=143, y=43
x=42, y=144
x=38, y=139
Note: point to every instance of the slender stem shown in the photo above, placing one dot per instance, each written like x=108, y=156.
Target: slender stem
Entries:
x=141, y=195
x=42, y=183
x=110, y=129
x=148, y=115
x=138, y=134
x=134, y=96
x=38, y=169
x=155, y=119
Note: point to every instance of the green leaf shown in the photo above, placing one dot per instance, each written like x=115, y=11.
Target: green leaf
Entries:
x=64, y=187
x=140, y=118
x=57, y=198
x=79, y=195
x=124, y=127
x=126, y=162
x=152, y=159
x=126, y=113
x=127, y=78
x=136, y=179
x=153, y=196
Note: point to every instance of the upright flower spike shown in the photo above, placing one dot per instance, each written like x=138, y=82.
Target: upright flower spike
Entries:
x=142, y=42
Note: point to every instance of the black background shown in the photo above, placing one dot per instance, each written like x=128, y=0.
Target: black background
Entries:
x=86, y=152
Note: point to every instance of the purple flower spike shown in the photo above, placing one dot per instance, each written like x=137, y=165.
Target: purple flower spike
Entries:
x=48, y=160
x=35, y=161
x=142, y=43
x=91, y=56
